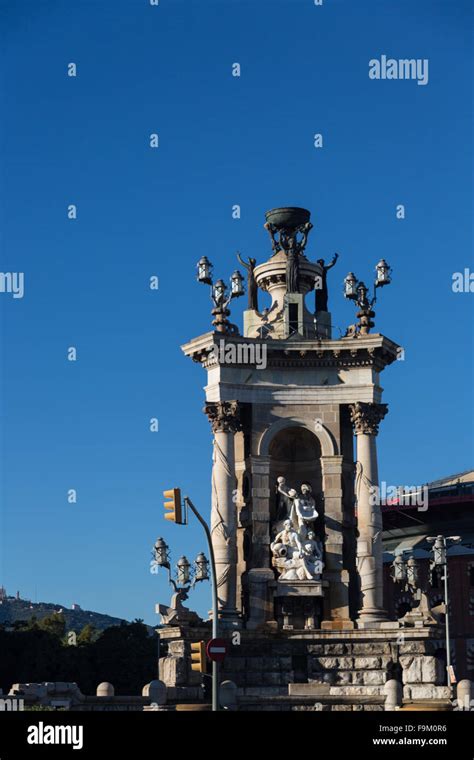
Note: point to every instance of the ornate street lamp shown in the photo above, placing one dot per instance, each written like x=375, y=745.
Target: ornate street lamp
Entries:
x=201, y=564
x=183, y=583
x=350, y=286
x=383, y=271
x=413, y=572
x=407, y=572
x=237, y=284
x=186, y=575
x=160, y=551
x=183, y=568
x=399, y=570
x=204, y=268
x=357, y=291
x=219, y=294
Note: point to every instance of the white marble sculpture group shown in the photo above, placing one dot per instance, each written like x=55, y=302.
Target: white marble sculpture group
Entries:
x=297, y=552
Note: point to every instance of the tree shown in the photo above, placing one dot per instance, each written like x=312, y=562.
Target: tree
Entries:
x=54, y=624
x=88, y=635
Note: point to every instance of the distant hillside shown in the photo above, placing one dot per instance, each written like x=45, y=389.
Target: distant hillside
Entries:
x=13, y=610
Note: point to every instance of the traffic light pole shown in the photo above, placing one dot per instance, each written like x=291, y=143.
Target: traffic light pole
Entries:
x=446, y=617
x=215, y=665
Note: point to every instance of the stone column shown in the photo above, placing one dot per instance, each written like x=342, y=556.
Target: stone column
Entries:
x=365, y=418
x=334, y=571
x=224, y=419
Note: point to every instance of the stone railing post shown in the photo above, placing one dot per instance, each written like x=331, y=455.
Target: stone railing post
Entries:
x=393, y=695
x=463, y=695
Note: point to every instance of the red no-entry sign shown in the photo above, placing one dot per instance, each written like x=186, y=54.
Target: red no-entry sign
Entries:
x=216, y=649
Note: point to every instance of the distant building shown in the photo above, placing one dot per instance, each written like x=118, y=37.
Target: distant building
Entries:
x=75, y=606
x=450, y=512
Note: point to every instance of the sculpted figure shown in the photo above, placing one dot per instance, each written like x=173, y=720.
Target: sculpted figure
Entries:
x=297, y=552
x=304, y=565
x=252, y=289
x=288, y=540
x=322, y=292
x=292, y=268
x=311, y=556
x=303, y=511
x=285, y=499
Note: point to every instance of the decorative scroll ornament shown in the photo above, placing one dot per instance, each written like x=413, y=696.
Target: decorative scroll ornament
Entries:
x=366, y=417
x=224, y=416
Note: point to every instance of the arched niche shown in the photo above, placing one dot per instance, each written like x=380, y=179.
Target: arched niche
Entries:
x=295, y=453
x=327, y=442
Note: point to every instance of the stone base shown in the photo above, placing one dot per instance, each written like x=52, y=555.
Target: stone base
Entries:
x=372, y=618
x=230, y=620
x=344, y=624
x=333, y=668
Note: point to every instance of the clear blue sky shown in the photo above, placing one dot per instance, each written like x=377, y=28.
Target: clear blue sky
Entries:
x=223, y=141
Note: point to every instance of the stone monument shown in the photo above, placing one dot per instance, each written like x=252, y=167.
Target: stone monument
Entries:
x=295, y=528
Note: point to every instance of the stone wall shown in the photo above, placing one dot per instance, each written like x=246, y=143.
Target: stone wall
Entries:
x=321, y=670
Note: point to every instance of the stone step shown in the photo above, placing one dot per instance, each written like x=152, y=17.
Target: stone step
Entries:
x=253, y=677
x=321, y=703
x=349, y=690
x=357, y=691
x=438, y=705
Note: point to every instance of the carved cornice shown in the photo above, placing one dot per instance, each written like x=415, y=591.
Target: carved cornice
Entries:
x=224, y=416
x=366, y=417
x=365, y=351
x=310, y=358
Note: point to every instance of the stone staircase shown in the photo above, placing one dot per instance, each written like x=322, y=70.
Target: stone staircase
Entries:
x=330, y=676
x=339, y=676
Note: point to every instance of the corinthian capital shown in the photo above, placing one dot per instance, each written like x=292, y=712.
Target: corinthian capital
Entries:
x=224, y=416
x=366, y=417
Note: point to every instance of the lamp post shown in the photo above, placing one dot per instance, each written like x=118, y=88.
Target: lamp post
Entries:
x=357, y=291
x=219, y=294
x=440, y=546
x=187, y=575
x=215, y=665
x=201, y=564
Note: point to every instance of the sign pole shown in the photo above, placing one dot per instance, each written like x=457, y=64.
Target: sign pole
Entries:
x=215, y=665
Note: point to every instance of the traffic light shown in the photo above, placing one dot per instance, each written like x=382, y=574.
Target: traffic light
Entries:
x=174, y=505
x=198, y=657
